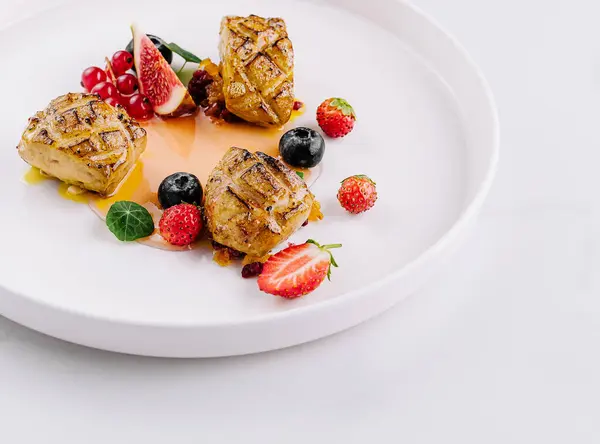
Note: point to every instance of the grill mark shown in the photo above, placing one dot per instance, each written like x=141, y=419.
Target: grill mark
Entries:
x=257, y=176
x=248, y=223
x=270, y=161
x=245, y=154
x=238, y=198
x=293, y=211
x=281, y=172
x=92, y=111
x=72, y=115
x=45, y=138
x=271, y=32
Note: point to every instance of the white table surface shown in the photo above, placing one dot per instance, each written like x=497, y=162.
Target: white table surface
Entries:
x=502, y=347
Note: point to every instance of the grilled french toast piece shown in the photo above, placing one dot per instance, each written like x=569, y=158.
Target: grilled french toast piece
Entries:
x=83, y=141
x=257, y=60
x=254, y=201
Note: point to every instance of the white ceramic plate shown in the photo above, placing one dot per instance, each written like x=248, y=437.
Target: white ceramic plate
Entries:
x=427, y=133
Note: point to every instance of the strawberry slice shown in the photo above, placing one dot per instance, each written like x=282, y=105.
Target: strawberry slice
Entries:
x=297, y=270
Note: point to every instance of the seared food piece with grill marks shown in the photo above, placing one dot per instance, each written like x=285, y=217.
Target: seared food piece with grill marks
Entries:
x=83, y=141
x=257, y=69
x=254, y=202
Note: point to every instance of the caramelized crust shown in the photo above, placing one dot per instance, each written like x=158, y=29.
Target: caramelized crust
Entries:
x=254, y=202
x=82, y=140
x=257, y=69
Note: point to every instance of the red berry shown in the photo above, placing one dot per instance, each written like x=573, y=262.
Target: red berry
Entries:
x=251, y=270
x=139, y=107
x=198, y=87
x=105, y=90
x=336, y=117
x=297, y=270
x=113, y=101
x=127, y=84
x=122, y=61
x=357, y=194
x=92, y=76
x=180, y=224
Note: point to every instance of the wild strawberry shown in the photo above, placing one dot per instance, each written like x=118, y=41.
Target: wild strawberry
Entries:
x=297, y=270
x=357, y=194
x=180, y=224
x=336, y=117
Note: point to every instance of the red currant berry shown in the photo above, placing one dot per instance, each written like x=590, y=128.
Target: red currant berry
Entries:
x=105, y=90
x=139, y=107
x=113, y=101
x=122, y=61
x=92, y=76
x=127, y=84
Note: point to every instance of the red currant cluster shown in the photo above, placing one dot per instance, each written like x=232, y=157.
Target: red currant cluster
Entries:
x=117, y=85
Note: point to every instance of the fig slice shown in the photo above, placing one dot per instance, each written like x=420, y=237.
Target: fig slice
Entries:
x=158, y=81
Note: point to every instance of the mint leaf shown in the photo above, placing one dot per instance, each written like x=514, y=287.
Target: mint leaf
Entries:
x=186, y=55
x=129, y=221
x=300, y=174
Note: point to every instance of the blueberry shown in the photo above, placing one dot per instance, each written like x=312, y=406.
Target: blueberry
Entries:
x=302, y=147
x=180, y=188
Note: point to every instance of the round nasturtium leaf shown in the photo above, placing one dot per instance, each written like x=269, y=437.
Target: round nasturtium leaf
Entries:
x=129, y=221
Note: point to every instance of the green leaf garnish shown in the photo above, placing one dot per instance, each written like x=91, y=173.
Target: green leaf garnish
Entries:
x=186, y=55
x=343, y=106
x=185, y=73
x=129, y=221
x=300, y=174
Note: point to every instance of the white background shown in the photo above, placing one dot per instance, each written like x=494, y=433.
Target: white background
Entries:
x=502, y=347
